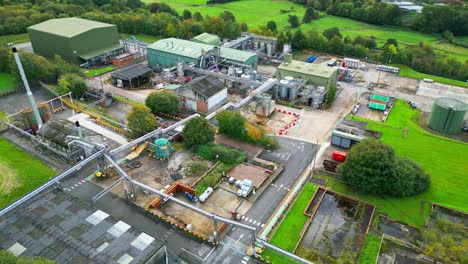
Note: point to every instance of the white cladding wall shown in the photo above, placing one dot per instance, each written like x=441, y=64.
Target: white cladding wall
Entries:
x=217, y=98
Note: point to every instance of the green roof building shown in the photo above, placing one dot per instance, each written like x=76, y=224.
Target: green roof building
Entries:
x=168, y=52
x=76, y=40
x=315, y=74
x=207, y=38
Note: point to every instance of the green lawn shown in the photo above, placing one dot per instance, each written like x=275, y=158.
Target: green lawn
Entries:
x=146, y=38
x=20, y=172
x=287, y=234
x=7, y=83
x=444, y=159
x=406, y=71
x=17, y=38
x=370, y=250
x=98, y=71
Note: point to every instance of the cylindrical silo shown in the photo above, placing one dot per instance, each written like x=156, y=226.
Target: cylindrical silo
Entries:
x=268, y=48
x=284, y=88
x=447, y=115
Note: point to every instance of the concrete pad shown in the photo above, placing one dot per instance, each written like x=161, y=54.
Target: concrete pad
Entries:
x=97, y=217
x=86, y=122
x=16, y=249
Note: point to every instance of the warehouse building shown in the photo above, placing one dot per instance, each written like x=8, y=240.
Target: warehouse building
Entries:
x=204, y=94
x=76, y=40
x=207, y=38
x=168, y=52
x=315, y=74
x=132, y=76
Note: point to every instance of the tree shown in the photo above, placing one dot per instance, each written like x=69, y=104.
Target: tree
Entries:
x=331, y=32
x=309, y=15
x=186, y=14
x=163, y=102
x=299, y=40
x=231, y=123
x=196, y=29
x=141, y=121
x=214, y=25
x=5, y=59
x=293, y=21
x=197, y=17
x=197, y=131
x=335, y=45
x=331, y=94
x=244, y=27
x=373, y=167
x=227, y=16
x=271, y=25
x=73, y=83
x=35, y=67
x=281, y=40
x=7, y=257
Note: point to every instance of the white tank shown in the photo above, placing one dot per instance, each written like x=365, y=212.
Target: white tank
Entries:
x=268, y=48
x=245, y=76
x=253, y=75
x=231, y=71
x=286, y=48
x=284, y=88
x=239, y=72
x=289, y=78
x=262, y=46
x=180, y=70
x=292, y=93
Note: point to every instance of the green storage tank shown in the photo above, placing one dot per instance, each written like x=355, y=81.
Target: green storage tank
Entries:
x=447, y=115
x=162, y=148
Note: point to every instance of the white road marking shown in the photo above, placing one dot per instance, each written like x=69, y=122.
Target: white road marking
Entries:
x=262, y=225
x=76, y=185
x=79, y=183
x=254, y=222
x=244, y=262
x=258, y=224
x=246, y=219
x=72, y=187
x=242, y=217
x=250, y=220
x=237, y=241
x=281, y=186
x=83, y=181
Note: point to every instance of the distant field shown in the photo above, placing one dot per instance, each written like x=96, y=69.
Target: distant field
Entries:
x=7, y=83
x=406, y=71
x=20, y=172
x=18, y=38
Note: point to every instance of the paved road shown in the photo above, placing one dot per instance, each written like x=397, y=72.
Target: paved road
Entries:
x=295, y=155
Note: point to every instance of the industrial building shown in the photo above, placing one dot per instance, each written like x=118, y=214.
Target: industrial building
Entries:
x=204, y=94
x=350, y=132
x=315, y=74
x=447, y=115
x=76, y=40
x=207, y=38
x=132, y=76
x=171, y=51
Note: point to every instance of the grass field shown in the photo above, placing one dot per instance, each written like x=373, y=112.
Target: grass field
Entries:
x=20, y=172
x=287, y=234
x=406, y=71
x=98, y=71
x=17, y=38
x=370, y=250
x=7, y=83
x=444, y=159
x=146, y=38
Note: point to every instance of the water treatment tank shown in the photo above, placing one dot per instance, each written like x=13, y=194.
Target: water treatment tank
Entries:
x=292, y=93
x=289, y=78
x=447, y=115
x=162, y=148
x=284, y=88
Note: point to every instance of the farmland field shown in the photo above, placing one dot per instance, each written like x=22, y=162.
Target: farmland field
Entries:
x=406, y=71
x=20, y=172
x=259, y=12
x=7, y=83
x=92, y=72
x=142, y=37
x=17, y=38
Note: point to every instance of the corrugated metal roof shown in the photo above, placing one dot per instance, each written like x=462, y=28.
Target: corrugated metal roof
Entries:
x=193, y=49
x=68, y=27
x=207, y=38
x=181, y=47
x=131, y=72
x=207, y=85
x=377, y=106
x=320, y=70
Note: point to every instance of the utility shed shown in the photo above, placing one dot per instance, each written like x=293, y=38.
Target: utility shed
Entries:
x=171, y=51
x=315, y=74
x=204, y=94
x=76, y=40
x=207, y=38
x=131, y=76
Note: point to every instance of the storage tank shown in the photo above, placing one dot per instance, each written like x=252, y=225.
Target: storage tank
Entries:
x=268, y=48
x=284, y=88
x=289, y=78
x=239, y=72
x=265, y=107
x=256, y=45
x=262, y=46
x=286, y=48
x=447, y=115
x=253, y=75
x=231, y=71
x=180, y=70
x=292, y=93
x=162, y=148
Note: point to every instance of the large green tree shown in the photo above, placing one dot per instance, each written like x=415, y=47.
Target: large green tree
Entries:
x=197, y=131
x=309, y=15
x=373, y=167
x=232, y=123
x=73, y=83
x=293, y=21
x=163, y=102
x=141, y=121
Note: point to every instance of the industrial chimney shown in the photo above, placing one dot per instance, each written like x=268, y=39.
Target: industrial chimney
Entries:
x=78, y=129
x=31, y=99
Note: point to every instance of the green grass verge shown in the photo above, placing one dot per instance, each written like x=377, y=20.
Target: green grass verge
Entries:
x=370, y=250
x=17, y=38
x=406, y=71
x=142, y=37
x=25, y=172
x=7, y=83
x=98, y=71
x=287, y=234
x=444, y=159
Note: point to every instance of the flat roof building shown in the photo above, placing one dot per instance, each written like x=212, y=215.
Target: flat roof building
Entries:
x=168, y=52
x=315, y=74
x=76, y=40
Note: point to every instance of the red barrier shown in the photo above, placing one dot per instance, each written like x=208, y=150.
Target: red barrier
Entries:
x=285, y=130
